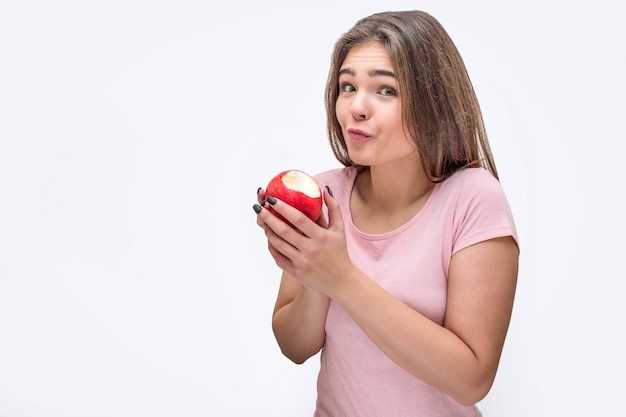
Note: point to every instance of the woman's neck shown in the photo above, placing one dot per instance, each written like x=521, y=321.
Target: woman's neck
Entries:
x=392, y=188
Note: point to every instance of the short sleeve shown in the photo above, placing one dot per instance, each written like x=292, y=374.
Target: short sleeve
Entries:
x=482, y=211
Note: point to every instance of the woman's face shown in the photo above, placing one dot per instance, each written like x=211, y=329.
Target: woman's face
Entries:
x=369, y=108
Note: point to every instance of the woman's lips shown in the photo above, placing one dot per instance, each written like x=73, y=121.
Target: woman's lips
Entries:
x=357, y=134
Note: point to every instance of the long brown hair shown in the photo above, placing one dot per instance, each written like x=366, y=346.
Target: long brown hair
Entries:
x=440, y=109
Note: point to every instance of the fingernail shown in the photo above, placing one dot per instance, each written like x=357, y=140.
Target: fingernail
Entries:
x=263, y=203
x=329, y=191
x=257, y=209
x=258, y=189
x=271, y=200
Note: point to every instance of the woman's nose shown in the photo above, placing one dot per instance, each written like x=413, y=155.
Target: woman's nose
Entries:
x=360, y=107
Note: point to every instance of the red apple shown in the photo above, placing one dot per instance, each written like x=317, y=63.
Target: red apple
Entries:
x=299, y=190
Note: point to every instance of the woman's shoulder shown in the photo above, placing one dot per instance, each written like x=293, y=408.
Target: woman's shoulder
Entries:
x=472, y=176
x=472, y=181
x=476, y=189
x=477, y=202
x=472, y=187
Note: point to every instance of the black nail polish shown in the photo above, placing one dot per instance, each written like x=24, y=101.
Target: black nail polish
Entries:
x=329, y=191
x=263, y=203
x=258, y=189
x=271, y=200
x=257, y=209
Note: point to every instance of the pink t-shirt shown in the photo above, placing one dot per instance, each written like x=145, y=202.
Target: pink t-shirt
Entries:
x=356, y=379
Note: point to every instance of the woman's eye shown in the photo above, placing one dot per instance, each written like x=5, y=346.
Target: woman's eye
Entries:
x=388, y=91
x=346, y=88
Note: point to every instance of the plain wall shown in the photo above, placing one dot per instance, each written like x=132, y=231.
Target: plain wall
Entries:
x=133, y=136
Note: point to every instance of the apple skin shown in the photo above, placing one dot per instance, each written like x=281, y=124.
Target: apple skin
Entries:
x=299, y=190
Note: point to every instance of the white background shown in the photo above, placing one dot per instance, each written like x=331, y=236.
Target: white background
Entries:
x=134, y=134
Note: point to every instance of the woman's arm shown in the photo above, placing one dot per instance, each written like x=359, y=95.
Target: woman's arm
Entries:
x=299, y=319
x=460, y=358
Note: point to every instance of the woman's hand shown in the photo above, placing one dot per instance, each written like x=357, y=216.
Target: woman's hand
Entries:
x=314, y=253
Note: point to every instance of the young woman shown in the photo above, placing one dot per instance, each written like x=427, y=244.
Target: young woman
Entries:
x=406, y=284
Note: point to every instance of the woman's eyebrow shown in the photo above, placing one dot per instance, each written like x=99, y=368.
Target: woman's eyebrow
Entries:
x=381, y=73
x=371, y=73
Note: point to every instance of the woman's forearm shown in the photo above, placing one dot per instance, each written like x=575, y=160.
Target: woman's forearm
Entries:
x=461, y=357
x=299, y=325
x=415, y=343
